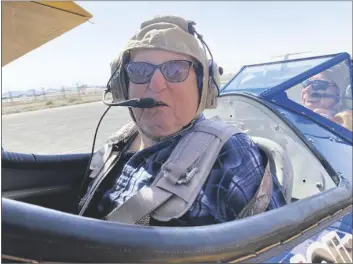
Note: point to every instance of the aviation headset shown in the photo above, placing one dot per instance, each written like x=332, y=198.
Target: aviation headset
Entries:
x=119, y=77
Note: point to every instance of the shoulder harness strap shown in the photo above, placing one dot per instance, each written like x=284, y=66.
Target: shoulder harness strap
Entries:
x=262, y=198
x=105, y=159
x=181, y=177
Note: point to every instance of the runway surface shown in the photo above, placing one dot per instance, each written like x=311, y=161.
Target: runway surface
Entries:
x=60, y=130
x=67, y=129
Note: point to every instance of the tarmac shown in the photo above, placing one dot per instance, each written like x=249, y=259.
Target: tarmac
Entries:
x=61, y=130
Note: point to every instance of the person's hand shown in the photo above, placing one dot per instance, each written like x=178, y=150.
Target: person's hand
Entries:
x=344, y=119
x=324, y=112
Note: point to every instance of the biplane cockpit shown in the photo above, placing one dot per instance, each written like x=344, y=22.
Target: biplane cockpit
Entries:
x=299, y=113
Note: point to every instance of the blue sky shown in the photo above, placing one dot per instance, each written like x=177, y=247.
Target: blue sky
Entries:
x=237, y=32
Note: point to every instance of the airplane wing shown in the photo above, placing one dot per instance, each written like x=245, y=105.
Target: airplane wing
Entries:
x=28, y=25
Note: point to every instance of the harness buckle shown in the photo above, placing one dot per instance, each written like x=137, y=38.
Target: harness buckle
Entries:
x=174, y=178
x=188, y=176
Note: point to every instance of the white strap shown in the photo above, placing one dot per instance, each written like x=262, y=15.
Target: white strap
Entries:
x=138, y=206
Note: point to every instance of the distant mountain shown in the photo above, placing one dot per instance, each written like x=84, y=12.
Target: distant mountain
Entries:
x=15, y=94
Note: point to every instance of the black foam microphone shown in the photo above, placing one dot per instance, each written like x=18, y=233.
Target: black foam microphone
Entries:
x=134, y=103
x=137, y=103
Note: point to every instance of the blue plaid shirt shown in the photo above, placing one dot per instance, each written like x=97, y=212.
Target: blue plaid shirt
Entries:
x=233, y=181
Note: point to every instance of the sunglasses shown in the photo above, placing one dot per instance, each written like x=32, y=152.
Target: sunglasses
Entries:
x=318, y=85
x=174, y=71
x=322, y=95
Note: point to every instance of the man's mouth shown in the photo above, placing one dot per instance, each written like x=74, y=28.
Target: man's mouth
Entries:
x=313, y=101
x=161, y=103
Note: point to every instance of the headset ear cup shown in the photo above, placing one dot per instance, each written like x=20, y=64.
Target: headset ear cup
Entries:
x=212, y=90
x=119, y=82
x=114, y=88
x=212, y=94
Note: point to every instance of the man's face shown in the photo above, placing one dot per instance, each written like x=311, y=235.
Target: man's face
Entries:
x=319, y=95
x=179, y=93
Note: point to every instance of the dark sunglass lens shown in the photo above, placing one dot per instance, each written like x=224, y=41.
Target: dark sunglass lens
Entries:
x=176, y=71
x=140, y=72
x=316, y=95
x=322, y=95
x=320, y=85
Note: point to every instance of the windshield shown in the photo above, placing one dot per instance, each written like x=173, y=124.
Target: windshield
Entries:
x=267, y=76
x=327, y=93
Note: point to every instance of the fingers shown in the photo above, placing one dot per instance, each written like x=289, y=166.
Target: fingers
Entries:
x=321, y=111
x=324, y=112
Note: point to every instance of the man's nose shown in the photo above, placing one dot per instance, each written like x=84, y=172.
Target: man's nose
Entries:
x=158, y=82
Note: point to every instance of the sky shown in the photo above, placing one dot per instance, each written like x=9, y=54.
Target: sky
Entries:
x=237, y=33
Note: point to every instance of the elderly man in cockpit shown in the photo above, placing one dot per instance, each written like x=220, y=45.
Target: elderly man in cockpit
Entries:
x=171, y=166
x=321, y=95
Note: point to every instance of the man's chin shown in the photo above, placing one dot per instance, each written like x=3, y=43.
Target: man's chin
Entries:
x=158, y=130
